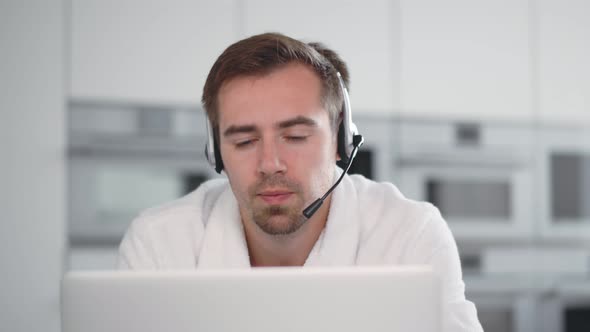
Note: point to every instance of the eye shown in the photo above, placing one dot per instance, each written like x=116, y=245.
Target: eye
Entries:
x=296, y=138
x=244, y=143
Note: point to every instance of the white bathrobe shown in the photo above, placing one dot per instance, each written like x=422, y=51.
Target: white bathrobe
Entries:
x=369, y=223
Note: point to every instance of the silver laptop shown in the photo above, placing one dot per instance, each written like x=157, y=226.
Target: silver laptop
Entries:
x=263, y=300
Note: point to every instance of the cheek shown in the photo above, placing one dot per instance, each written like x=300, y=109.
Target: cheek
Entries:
x=319, y=166
x=313, y=157
x=233, y=162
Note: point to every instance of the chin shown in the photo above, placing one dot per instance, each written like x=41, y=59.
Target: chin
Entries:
x=280, y=224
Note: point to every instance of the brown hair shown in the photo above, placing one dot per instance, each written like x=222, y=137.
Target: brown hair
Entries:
x=261, y=54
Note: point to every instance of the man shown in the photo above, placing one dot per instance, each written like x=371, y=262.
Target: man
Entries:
x=275, y=108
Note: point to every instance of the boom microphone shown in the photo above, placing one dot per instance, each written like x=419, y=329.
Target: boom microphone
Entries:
x=309, y=211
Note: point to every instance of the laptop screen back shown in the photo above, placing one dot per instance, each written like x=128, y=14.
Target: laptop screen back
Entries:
x=263, y=300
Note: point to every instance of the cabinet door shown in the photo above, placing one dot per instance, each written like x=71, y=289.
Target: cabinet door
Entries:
x=363, y=33
x=563, y=66
x=147, y=51
x=466, y=59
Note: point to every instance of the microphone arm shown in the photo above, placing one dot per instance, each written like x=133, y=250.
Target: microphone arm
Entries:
x=309, y=211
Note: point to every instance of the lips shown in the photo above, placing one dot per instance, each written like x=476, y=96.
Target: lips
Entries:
x=275, y=196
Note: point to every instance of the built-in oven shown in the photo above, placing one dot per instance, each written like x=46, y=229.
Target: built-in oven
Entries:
x=123, y=159
x=505, y=312
x=510, y=303
x=567, y=309
x=531, y=303
x=564, y=195
x=478, y=175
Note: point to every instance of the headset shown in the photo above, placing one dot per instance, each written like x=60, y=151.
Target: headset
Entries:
x=349, y=141
x=346, y=135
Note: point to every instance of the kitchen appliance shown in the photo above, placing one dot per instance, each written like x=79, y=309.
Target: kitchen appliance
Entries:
x=567, y=309
x=478, y=175
x=564, y=192
x=504, y=309
x=124, y=158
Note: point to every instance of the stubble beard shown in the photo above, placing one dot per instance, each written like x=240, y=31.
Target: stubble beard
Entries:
x=280, y=219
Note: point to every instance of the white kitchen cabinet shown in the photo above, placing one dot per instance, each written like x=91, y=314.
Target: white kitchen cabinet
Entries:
x=563, y=39
x=364, y=33
x=146, y=51
x=466, y=59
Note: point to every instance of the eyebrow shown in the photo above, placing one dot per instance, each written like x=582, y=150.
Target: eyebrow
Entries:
x=249, y=128
x=299, y=120
x=232, y=130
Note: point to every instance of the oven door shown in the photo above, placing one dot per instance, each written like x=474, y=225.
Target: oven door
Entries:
x=571, y=305
x=564, y=159
x=107, y=191
x=478, y=201
x=513, y=303
x=501, y=312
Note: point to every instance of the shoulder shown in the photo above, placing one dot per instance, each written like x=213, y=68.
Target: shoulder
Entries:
x=396, y=230
x=160, y=233
x=385, y=200
x=396, y=225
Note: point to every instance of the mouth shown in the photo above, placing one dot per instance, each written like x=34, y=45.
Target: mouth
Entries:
x=275, y=196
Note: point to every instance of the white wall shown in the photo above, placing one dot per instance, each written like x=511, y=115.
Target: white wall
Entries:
x=31, y=164
x=147, y=51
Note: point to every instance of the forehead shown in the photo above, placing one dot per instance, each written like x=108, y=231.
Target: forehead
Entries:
x=287, y=92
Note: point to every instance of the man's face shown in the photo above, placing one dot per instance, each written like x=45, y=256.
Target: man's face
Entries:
x=277, y=145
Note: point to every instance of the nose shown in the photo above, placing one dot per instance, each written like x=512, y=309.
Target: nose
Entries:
x=269, y=158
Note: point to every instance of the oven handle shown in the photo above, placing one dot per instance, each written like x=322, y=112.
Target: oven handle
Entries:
x=134, y=153
x=479, y=160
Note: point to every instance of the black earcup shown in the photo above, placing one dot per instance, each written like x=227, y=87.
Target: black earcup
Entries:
x=342, y=144
x=217, y=152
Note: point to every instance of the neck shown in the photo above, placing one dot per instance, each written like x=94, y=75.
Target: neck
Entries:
x=285, y=250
